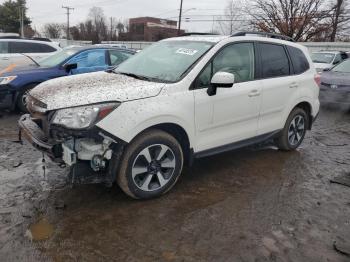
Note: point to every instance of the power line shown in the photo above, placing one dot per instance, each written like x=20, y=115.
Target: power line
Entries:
x=68, y=14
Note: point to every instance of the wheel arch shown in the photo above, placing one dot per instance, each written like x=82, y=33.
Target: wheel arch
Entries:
x=306, y=106
x=179, y=133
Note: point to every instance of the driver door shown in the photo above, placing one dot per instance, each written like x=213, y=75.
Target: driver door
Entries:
x=89, y=61
x=232, y=114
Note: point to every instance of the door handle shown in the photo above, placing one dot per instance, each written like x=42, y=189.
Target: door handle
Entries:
x=5, y=58
x=254, y=93
x=294, y=85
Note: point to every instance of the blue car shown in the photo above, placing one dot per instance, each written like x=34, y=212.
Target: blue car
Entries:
x=16, y=83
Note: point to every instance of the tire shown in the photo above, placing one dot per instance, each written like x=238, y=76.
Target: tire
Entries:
x=293, y=133
x=20, y=102
x=151, y=165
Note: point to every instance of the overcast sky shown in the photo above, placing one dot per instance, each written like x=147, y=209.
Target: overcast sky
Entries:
x=44, y=11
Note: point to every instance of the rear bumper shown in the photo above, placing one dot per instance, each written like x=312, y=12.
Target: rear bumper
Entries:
x=328, y=95
x=31, y=132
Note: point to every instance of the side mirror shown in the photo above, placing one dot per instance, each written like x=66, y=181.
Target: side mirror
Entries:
x=326, y=69
x=221, y=80
x=69, y=67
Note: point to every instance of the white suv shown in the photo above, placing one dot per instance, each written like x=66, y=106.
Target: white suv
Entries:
x=180, y=99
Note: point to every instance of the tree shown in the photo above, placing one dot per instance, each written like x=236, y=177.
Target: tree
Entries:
x=10, y=16
x=53, y=30
x=339, y=18
x=232, y=20
x=299, y=19
x=98, y=20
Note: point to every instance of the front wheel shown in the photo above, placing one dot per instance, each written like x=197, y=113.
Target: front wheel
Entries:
x=294, y=130
x=22, y=98
x=151, y=165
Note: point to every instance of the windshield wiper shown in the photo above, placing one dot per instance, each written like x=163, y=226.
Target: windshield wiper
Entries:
x=30, y=59
x=135, y=76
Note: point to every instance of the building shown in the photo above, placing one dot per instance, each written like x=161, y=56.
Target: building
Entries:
x=150, y=29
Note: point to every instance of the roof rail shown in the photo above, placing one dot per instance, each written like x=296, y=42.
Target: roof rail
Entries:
x=198, y=33
x=264, y=34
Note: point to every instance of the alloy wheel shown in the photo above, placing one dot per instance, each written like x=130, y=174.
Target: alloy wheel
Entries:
x=296, y=130
x=153, y=167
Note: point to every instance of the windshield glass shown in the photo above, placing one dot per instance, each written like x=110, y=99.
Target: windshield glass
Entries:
x=343, y=67
x=57, y=58
x=326, y=58
x=165, y=61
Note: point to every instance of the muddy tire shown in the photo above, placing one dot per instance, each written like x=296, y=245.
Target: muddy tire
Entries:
x=294, y=130
x=151, y=165
x=21, y=99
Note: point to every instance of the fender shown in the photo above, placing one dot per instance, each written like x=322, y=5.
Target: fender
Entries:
x=133, y=117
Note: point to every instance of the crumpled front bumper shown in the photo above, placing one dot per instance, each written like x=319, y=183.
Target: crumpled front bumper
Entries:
x=29, y=130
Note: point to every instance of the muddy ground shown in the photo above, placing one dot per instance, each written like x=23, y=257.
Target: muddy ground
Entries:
x=255, y=204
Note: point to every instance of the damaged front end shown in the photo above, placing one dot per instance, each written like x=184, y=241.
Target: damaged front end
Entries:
x=70, y=136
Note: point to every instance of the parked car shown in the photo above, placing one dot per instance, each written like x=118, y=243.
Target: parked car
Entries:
x=335, y=85
x=15, y=84
x=327, y=59
x=178, y=100
x=16, y=51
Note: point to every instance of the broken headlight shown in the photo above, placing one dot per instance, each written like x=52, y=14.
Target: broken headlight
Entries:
x=84, y=116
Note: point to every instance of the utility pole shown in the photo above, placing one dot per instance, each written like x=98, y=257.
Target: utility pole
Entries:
x=111, y=35
x=21, y=20
x=68, y=14
x=180, y=17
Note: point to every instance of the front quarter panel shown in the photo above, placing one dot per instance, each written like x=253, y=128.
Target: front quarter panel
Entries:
x=133, y=117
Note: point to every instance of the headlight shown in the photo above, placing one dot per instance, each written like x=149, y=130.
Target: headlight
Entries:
x=83, y=117
x=7, y=79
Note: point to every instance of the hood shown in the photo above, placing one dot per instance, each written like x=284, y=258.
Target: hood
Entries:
x=93, y=88
x=23, y=70
x=322, y=65
x=335, y=78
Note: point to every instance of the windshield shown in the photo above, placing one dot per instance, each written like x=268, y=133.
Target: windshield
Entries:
x=343, y=67
x=57, y=58
x=165, y=61
x=326, y=58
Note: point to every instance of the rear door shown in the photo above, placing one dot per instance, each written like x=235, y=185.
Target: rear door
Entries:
x=117, y=57
x=278, y=83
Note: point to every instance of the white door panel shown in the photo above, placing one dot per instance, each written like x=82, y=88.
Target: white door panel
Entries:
x=227, y=117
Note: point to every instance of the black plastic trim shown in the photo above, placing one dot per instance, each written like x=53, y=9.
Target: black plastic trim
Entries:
x=237, y=145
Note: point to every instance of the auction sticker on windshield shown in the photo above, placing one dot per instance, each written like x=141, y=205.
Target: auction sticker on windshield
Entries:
x=186, y=51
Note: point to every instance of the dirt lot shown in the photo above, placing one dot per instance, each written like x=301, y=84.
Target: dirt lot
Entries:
x=256, y=204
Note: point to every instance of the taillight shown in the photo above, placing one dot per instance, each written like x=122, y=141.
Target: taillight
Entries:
x=318, y=79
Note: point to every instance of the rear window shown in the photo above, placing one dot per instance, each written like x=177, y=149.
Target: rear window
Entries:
x=275, y=62
x=28, y=47
x=299, y=61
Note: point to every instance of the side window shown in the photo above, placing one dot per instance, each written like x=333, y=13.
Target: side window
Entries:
x=344, y=56
x=117, y=57
x=28, y=47
x=299, y=61
x=4, y=47
x=91, y=58
x=237, y=59
x=275, y=61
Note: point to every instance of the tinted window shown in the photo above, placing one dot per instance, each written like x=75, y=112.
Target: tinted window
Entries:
x=275, y=62
x=28, y=47
x=237, y=59
x=117, y=57
x=337, y=59
x=91, y=58
x=4, y=47
x=299, y=61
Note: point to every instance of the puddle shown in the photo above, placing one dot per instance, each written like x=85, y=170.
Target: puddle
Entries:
x=41, y=230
